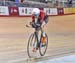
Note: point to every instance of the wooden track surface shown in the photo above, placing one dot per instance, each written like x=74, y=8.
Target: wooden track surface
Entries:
x=14, y=36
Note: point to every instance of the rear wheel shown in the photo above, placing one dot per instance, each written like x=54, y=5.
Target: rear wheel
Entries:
x=43, y=48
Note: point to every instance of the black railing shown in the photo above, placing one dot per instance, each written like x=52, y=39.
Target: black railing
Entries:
x=24, y=4
x=36, y=4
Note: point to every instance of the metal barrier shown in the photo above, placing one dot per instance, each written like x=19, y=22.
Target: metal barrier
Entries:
x=24, y=4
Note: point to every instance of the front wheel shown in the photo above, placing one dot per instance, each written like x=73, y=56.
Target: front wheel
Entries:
x=43, y=48
x=31, y=44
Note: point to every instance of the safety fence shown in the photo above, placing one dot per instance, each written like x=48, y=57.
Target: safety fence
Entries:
x=26, y=11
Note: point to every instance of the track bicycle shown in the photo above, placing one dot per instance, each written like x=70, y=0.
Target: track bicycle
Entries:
x=33, y=42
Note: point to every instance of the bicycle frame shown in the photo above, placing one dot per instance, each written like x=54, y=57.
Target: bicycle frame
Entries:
x=37, y=41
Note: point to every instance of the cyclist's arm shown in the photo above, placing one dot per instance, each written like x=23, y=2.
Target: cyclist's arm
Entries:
x=30, y=23
x=42, y=16
x=33, y=18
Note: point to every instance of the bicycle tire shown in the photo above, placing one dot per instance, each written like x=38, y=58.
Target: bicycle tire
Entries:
x=40, y=51
x=30, y=42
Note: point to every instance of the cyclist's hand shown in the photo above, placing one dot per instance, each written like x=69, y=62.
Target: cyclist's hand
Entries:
x=27, y=25
x=31, y=23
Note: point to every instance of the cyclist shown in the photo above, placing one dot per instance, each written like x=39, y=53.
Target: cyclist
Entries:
x=39, y=19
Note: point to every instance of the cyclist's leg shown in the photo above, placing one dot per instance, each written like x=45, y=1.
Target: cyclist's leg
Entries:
x=35, y=48
x=39, y=36
x=43, y=36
